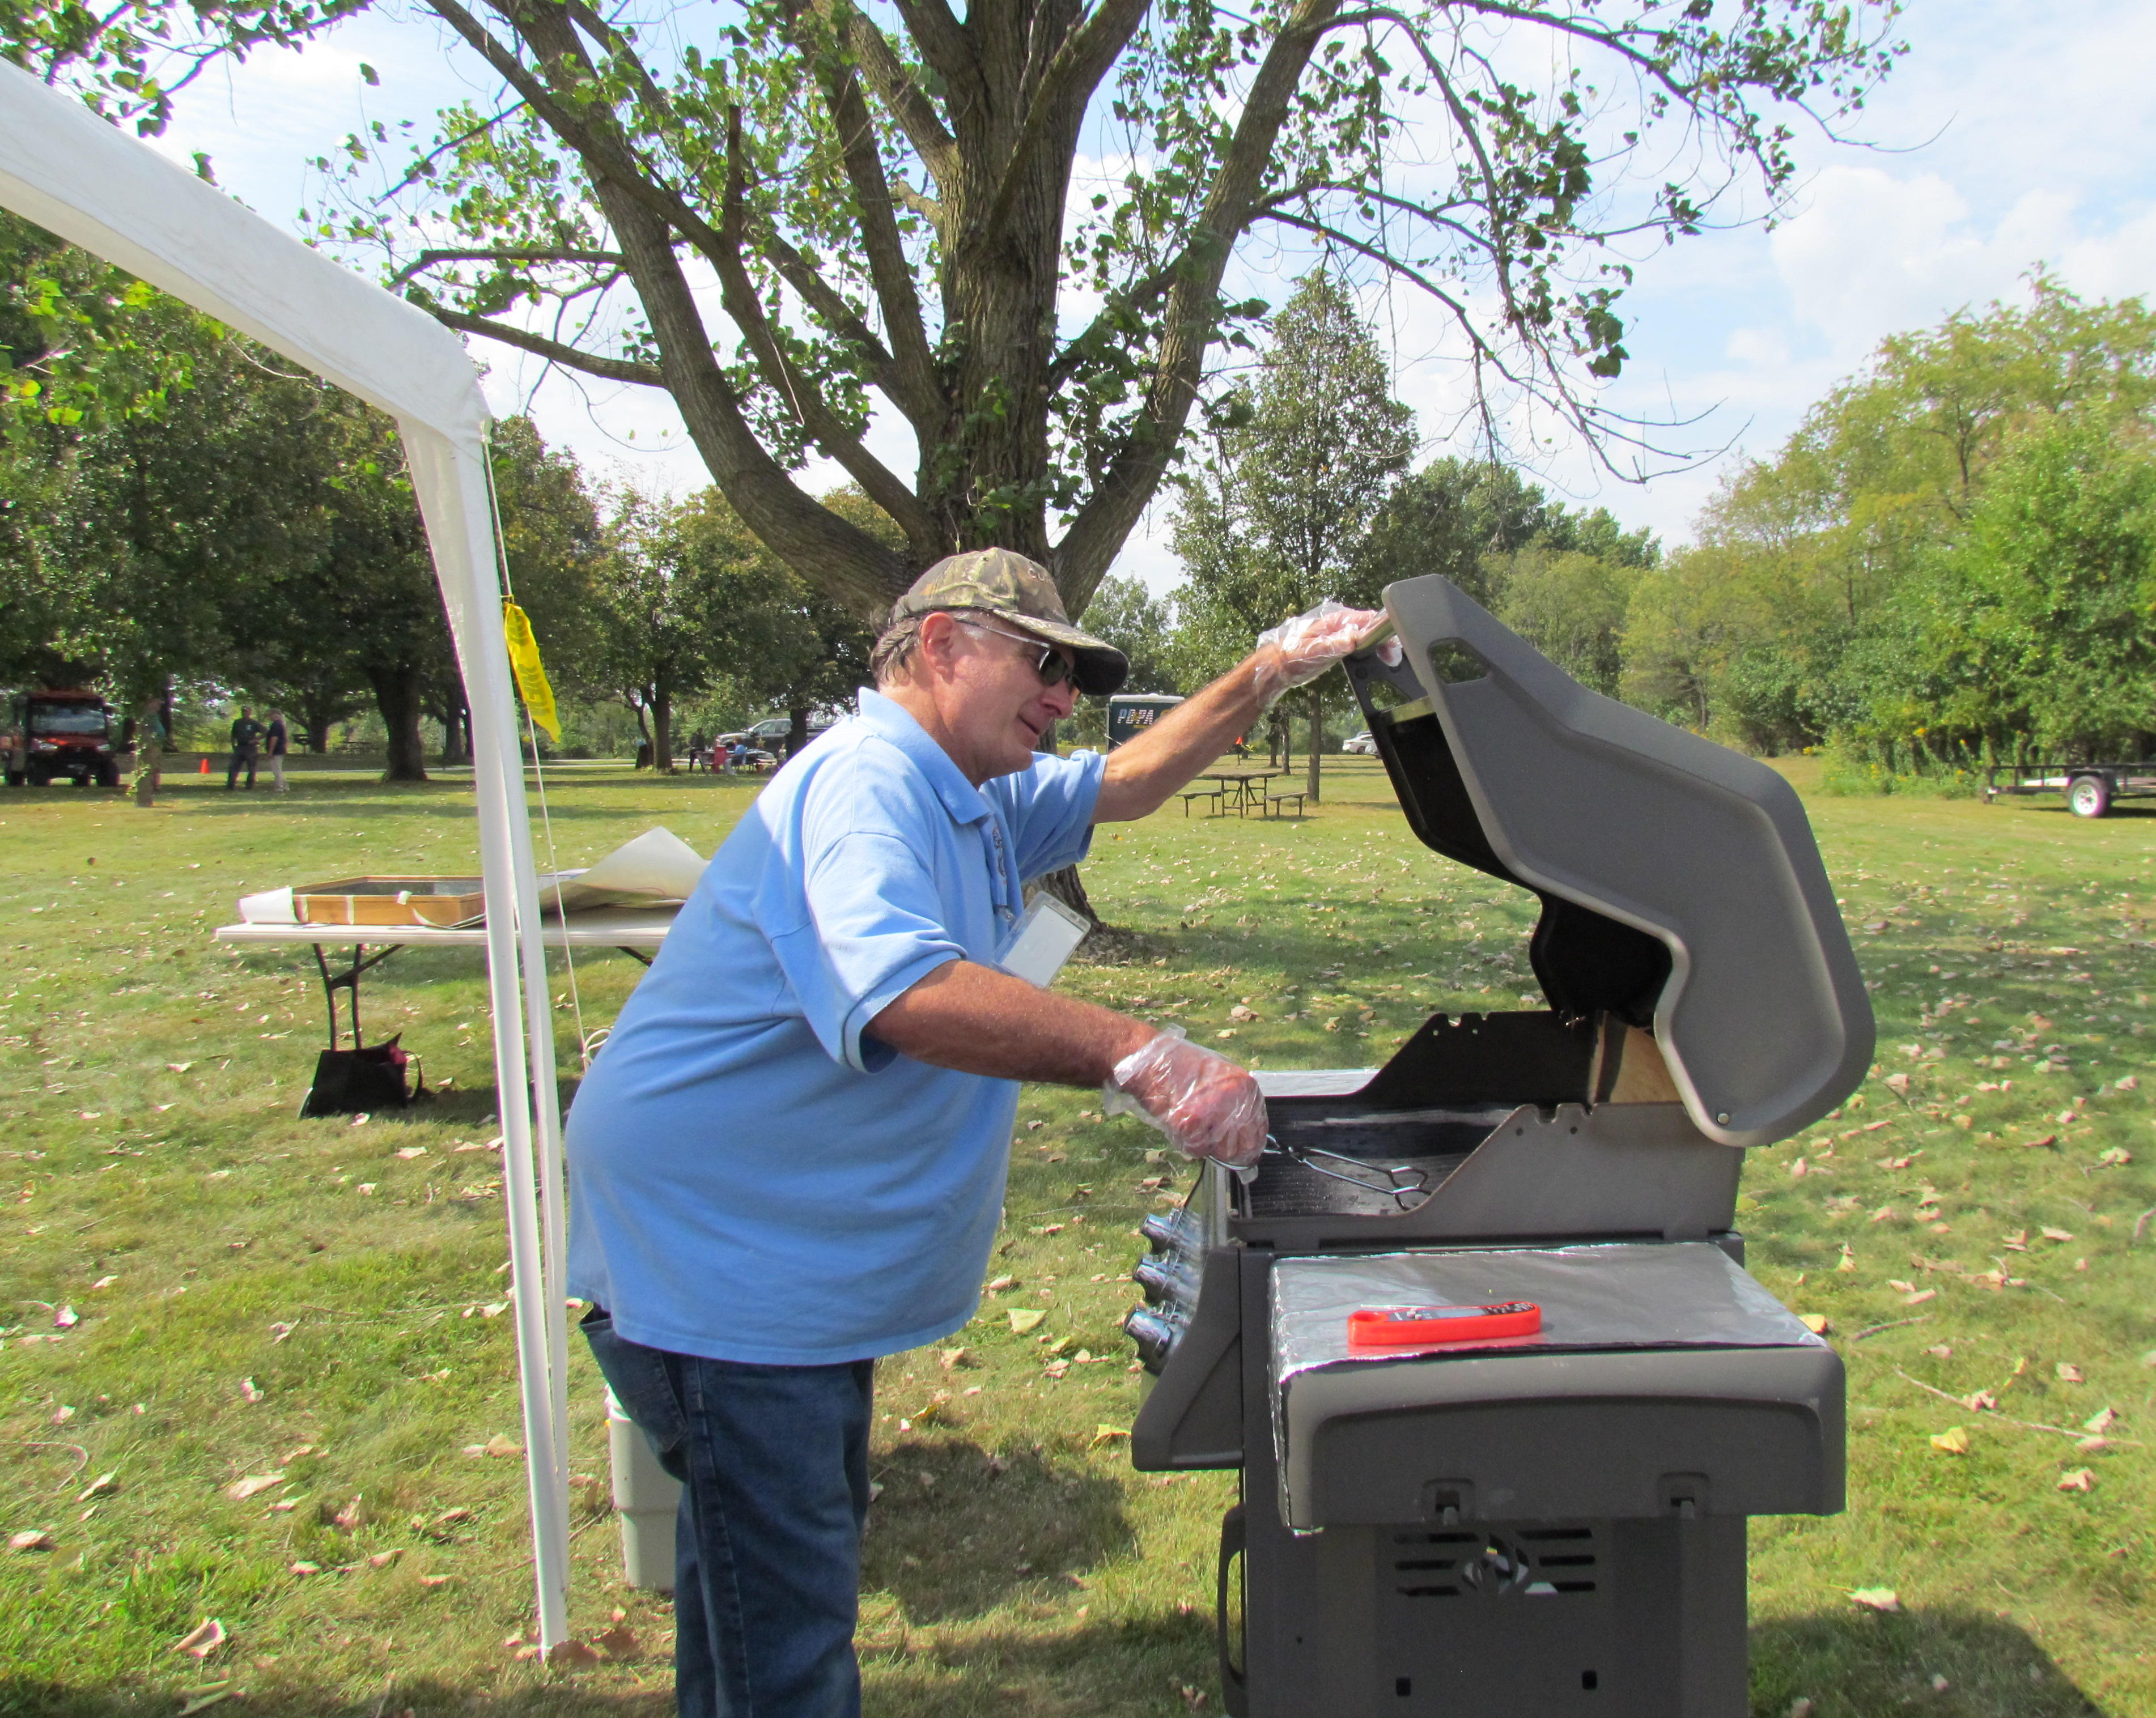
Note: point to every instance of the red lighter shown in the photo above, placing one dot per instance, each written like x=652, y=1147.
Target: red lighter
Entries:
x=1418, y=1326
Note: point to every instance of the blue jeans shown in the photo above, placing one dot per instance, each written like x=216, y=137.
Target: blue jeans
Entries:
x=773, y=1462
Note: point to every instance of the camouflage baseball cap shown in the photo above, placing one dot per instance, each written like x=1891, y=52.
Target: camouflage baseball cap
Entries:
x=1003, y=581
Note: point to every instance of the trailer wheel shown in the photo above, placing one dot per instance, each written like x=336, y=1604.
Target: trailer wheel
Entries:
x=2088, y=796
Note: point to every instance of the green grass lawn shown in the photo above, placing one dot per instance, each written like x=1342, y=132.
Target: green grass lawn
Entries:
x=318, y=1300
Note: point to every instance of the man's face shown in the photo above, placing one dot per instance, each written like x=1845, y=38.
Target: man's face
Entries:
x=996, y=706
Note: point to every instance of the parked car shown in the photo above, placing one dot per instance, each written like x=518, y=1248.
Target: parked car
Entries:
x=771, y=734
x=1363, y=745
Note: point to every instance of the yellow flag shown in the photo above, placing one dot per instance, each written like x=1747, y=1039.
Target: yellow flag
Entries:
x=531, y=672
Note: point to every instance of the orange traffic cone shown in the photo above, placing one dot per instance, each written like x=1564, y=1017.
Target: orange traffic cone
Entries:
x=204, y=770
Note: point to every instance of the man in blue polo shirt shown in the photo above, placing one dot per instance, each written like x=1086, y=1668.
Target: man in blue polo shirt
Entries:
x=789, y=1159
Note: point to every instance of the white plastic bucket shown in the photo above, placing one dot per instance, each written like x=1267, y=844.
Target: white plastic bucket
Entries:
x=647, y=1498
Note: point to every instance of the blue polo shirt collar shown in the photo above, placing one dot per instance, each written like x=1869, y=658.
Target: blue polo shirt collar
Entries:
x=892, y=721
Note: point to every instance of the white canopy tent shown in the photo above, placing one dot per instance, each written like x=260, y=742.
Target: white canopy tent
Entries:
x=78, y=177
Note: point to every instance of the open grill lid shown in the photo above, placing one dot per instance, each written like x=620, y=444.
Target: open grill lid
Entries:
x=1680, y=883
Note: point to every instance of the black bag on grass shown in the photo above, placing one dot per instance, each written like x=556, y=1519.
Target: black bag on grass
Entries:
x=362, y=1080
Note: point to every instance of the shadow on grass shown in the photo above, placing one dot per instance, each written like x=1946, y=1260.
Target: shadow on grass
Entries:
x=1111, y=1667
x=953, y=1536
x=1858, y=1661
x=425, y=1697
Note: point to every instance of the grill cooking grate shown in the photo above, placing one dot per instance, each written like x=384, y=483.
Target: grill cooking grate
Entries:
x=1433, y=1142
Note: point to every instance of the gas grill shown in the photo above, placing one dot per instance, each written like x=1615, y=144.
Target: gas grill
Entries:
x=1550, y=1523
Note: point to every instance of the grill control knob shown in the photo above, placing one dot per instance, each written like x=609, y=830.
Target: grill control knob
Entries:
x=1154, y=1335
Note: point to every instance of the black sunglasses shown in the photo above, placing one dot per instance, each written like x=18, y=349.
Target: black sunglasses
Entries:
x=1052, y=666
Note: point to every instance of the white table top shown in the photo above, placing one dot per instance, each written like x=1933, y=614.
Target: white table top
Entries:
x=602, y=927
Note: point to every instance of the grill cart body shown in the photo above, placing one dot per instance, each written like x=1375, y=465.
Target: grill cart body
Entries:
x=1551, y=1523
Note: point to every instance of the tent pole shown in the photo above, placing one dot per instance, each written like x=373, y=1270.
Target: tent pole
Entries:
x=450, y=480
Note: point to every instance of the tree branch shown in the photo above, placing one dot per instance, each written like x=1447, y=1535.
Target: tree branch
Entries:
x=1079, y=65
x=914, y=389
x=554, y=351
x=534, y=253
x=886, y=75
x=737, y=295
x=1098, y=529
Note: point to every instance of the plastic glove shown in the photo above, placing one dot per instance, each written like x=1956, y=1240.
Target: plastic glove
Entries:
x=1297, y=651
x=1206, y=1105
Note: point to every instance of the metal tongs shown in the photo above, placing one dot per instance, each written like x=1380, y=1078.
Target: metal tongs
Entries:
x=1403, y=1183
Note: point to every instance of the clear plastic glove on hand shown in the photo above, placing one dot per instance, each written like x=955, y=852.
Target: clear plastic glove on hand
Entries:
x=1297, y=651
x=1206, y=1105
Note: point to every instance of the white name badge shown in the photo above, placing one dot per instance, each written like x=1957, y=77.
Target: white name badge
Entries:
x=1043, y=942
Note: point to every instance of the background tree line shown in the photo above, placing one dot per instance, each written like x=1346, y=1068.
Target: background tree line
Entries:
x=184, y=516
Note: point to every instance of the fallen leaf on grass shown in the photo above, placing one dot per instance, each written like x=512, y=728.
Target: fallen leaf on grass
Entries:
x=1954, y=1440
x=408, y=1152
x=179, y=1067
x=1918, y=1297
x=1002, y=1285
x=1876, y=1598
x=1817, y=1323
x=1900, y=1287
x=493, y=1308
x=292, y=1455
x=436, y=1580
x=249, y=1391
x=2102, y=1421
x=497, y=1444
x=36, y=1539
x=1848, y=1258
x=2079, y=1480
x=618, y=1642
x=66, y=1318
x=240, y=1490
x=1108, y=1435
x=1898, y=1083
x=103, y=1486
x=1025, y=1318
x=2069, y=1373
x=204, y=1638
x=383, y=1559
x=1982, y=1402
x=950, y=1359
x=105, y=1282
x=2058, y=1235
x=1940, y=1351
x=1799, y=1169
x=353, y=1514
x=198, y=1699
x=303, y=1569
x=572, y=1652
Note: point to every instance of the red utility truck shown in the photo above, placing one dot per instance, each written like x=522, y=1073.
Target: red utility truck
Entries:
x=59, y=733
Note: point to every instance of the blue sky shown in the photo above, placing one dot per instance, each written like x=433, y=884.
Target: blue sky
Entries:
x=2011, y=135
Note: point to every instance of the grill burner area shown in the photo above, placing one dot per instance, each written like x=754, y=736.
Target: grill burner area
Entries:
x=1418, y=1149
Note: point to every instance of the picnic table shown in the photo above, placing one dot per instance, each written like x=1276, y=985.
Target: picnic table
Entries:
x=1239, y=790
x=634, y=930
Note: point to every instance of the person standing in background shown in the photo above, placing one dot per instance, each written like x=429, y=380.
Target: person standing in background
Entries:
x=276, y=741
x=246, y=747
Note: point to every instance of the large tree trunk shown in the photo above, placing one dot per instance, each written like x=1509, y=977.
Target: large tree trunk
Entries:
x=797, y=731
x=1067, y=886
x=1317, y=739
x=398, y=696
x=662, y=730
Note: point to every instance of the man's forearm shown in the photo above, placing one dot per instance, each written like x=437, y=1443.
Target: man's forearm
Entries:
x=978, y=1020
x=1143, y=772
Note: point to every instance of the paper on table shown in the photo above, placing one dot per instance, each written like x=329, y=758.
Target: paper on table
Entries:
x=657, y=865
x=272, y=906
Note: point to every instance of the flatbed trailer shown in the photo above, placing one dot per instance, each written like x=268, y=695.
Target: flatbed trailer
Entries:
x=2090, y=788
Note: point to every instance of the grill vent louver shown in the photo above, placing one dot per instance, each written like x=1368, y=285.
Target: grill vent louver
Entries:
x=1531, y=1562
